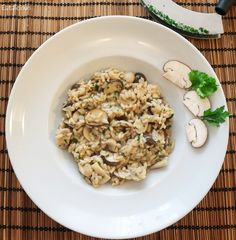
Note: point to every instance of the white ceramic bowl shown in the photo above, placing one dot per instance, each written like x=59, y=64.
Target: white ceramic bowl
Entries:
x=51, y=178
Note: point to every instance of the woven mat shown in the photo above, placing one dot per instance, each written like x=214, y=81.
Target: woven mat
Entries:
x=22, y=31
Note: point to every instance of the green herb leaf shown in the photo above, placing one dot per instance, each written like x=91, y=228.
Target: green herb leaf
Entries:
x=138, y=138
x=215, y=117
x=202, y=83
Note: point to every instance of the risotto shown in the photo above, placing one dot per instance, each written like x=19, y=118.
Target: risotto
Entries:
x=117, y=127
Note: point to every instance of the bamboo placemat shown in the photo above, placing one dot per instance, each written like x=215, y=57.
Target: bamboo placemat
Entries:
x=22, y=31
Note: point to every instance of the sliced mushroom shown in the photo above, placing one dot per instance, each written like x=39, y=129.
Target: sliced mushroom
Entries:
x=149, y=140
x=177, y=73
x=69, y=123
x=122, y=117
x=196, y=132
x=88, y=134
x=111, y=160
x=68, y=107
x=129, y=77
x=195, y=104
x=86, y=170
x=75, y=86
x=160, y=164
x=67, y=104
x=114, y=86
x=76, y=116
x=111, y=145
x=121, y=123
x=114, y=74
x=139, y=76
x=96, y=117
x=101, y=172
x=135, y=171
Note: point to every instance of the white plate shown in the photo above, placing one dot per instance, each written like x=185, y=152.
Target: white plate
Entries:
x=51, y=178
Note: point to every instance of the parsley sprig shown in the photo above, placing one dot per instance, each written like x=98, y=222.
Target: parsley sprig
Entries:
x=216, y=117
x=202, y=83
x=205, y=86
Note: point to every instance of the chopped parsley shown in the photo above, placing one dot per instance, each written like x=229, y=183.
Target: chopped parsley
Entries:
x=138, y=138
x=175, y=24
